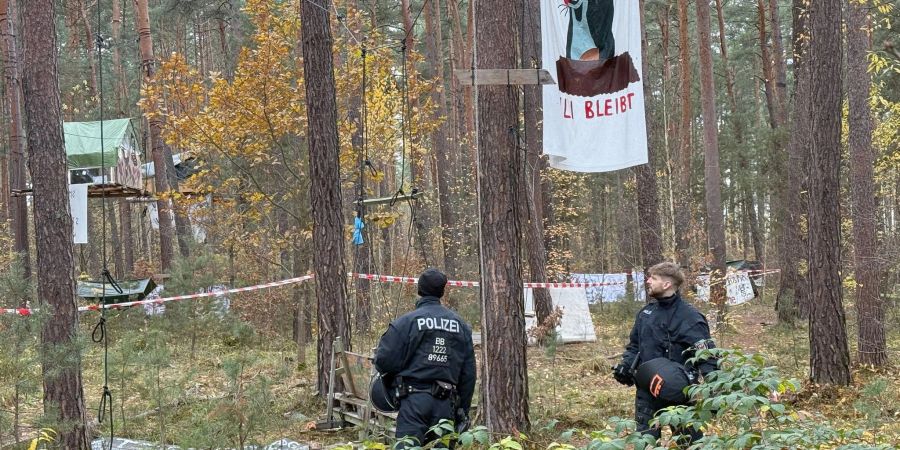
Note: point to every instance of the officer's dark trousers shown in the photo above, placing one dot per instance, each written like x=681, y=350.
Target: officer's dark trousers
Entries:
x=419, y=412
x=644, y=410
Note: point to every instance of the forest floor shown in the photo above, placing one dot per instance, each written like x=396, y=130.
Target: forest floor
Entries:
x=240, y=386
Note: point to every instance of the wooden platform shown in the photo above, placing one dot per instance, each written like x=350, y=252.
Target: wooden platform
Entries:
x=108, y=190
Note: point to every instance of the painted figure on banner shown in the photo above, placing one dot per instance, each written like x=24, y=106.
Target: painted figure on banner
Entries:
x=594, y=114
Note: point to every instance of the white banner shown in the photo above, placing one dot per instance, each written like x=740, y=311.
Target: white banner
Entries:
x=738, y=288
x=78, y=202
x=594, y=114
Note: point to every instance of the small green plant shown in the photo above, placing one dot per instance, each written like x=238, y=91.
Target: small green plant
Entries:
x=736, y=406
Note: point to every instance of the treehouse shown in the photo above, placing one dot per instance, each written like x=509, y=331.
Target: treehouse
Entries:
x=111, y=163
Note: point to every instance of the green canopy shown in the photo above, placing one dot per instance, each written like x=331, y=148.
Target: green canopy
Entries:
x=83, y=148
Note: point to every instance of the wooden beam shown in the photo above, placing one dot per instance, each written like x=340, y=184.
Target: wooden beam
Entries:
x=398, y=198
x=468, y=77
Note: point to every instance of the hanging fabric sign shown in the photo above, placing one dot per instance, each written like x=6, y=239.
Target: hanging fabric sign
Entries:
x=594, y=114
x=78, y=201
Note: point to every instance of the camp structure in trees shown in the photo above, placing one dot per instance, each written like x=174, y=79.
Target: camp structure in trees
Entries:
x=110, y=159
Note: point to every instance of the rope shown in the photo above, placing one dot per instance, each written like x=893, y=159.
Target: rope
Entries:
x=106, y=398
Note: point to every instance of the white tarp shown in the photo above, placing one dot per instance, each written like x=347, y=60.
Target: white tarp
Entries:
x=576, y=324
x=78, y=202
x=737, y=284
x=594, y=113
x=615, y=290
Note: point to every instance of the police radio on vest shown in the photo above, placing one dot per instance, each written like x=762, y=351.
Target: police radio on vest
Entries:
x=433, y=323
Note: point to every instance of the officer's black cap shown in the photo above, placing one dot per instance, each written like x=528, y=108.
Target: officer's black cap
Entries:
x=432, y=282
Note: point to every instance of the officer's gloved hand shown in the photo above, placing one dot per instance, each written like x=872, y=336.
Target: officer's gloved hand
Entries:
x=623, y=375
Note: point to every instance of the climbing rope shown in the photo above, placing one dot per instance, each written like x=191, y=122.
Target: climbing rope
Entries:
x=99, y=334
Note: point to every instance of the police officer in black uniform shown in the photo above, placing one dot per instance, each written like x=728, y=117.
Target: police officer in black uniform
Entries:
x=429, y=355
x=667, y=328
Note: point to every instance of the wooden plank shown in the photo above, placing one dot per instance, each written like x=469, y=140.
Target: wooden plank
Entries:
x=347, y=376
x=394, y=199
x=468, y=77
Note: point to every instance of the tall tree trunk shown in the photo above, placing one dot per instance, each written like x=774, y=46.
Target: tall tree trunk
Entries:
x=530, y=41
x=60, y=357
x=829, y=356
x=183, y=229
x=115, y=242
x=869, y=307
x=746, y=195
x=645, y=177
x=90, y=44
x=792, y=291
x=160, y=167
x=127, y=241
x=505, y=378
x=683, y=210
x=713, y=176
x=11, y=68
x=775, y=106
x=121, y=86
x=361, y=253
x=325, y=188
x=121, y=91
x=778, y=62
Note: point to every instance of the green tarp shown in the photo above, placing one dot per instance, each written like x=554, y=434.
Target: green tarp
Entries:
x=83, y=142
x=131, y=290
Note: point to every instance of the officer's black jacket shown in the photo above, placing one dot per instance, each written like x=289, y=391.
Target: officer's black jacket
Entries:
x=428, y=344
x=666, y=328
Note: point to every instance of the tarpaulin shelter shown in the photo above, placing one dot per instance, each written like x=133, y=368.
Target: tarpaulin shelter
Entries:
x=118, y=151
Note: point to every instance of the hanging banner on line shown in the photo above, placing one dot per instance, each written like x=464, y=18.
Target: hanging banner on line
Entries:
x=78, y=201
x=594, y=114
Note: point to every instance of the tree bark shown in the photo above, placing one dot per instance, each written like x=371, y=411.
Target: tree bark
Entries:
x=127, y=240
x=870, y=309
x=121, y=86
x=90, y=45
x=11, y=70
x=778, y=62
x=683, y=208
x=774, y=105
x=530, y=42
x=115, y=242
x=325, y=188
x=148, y=69
x=505, y=377
x=713, y=179
x=829, y=355
x=792, y=291
x=60, y=357
x=440, y=141
x=649, y=224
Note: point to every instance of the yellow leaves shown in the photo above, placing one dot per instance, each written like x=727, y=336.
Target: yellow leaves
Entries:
x=383, y=219
x=45, y=435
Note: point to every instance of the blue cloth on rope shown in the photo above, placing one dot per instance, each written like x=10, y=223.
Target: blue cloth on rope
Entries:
x=358, y=226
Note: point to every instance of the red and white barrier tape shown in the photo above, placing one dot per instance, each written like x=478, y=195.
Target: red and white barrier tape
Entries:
x=159, y=301
x=365, y=276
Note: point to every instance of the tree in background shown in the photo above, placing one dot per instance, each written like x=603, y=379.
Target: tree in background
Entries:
x=871, y=348
x=715, y=220
x=11, y=70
